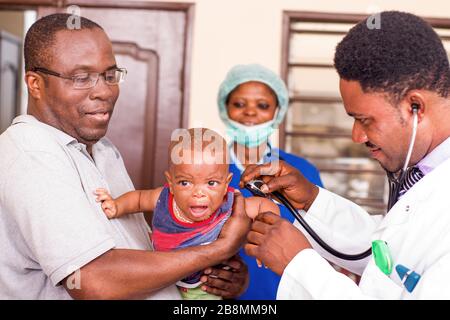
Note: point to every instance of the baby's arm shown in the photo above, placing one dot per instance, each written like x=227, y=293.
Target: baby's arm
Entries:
x=256, y=205
x=130, y=202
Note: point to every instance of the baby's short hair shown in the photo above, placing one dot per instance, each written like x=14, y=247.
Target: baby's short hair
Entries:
x=197, y=145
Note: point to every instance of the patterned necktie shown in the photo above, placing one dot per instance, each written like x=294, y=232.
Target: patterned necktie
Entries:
x=412, y=176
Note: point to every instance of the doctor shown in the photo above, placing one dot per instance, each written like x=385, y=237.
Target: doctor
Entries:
x=394, y=82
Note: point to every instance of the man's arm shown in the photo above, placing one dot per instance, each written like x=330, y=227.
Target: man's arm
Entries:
x=127, y=274
x=136, y=274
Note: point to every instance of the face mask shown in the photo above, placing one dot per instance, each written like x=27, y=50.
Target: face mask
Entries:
x=250, y=136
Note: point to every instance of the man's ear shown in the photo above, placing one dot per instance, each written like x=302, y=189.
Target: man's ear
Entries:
x=169, y=180
x=416, y=99
x=35, y=84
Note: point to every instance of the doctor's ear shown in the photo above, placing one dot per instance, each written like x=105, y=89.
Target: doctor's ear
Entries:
x=416, y=103
x=417, y=108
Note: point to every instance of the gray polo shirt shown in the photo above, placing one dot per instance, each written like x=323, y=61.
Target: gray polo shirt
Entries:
x=50, y=223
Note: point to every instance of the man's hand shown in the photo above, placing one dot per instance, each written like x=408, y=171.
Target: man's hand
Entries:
x=229, y=280
x=284, y=178
x=274, y=241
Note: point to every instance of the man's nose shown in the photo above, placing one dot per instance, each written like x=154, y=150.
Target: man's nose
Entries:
x=358, y=133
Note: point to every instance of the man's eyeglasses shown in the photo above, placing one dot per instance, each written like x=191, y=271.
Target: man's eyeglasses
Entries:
x=87, y=80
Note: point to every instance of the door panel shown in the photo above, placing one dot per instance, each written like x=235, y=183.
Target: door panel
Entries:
x=133, y=125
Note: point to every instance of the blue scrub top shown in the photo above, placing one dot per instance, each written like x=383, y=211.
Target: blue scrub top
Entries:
x=263, y=284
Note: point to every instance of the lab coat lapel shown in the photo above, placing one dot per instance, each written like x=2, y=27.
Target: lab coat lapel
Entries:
x=401, y=211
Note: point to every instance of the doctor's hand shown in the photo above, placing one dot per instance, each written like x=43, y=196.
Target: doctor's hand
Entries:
x=285, y=179
x=274, y=241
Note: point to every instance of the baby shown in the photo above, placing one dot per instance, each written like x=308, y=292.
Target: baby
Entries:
x=194, y=205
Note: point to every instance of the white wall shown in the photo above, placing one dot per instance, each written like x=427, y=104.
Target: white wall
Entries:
x=229, y=32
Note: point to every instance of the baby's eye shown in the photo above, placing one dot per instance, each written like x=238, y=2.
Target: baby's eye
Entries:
x=183, y=183
x=213, y=183
x=238, y=104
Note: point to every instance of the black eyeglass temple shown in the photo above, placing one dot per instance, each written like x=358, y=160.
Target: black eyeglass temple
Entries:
x=47, y=71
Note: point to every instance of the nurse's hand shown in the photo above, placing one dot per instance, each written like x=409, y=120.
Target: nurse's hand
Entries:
x=284, y=178
x=274, y=241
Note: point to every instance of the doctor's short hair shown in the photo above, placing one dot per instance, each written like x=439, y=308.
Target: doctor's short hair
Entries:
x=403, y=55
x=41, y=36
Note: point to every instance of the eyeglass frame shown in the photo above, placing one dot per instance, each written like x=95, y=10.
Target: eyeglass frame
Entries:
x=98, y=74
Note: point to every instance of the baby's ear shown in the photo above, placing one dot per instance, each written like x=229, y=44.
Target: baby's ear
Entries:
x=169, y=180
x=229, y=177
x=227, y=183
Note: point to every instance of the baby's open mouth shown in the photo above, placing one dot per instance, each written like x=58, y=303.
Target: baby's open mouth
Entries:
x=198, y=211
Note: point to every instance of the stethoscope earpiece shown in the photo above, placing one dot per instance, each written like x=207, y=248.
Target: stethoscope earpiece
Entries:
x=396, y=182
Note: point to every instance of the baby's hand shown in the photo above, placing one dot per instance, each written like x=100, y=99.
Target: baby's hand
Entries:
x=109, y=205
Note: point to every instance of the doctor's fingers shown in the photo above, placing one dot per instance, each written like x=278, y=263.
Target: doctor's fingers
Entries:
x=260, y=227
x=254, y=171
x=253, y=250
x=255, y=238
x=261, y=253
x=268, y=217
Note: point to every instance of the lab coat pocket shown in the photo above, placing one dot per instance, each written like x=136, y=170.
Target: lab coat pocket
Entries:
x=376, y=284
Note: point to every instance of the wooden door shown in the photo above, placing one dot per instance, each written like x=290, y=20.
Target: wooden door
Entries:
x=151, y=43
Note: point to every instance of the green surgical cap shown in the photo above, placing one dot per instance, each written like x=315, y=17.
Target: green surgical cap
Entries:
x=253, y=72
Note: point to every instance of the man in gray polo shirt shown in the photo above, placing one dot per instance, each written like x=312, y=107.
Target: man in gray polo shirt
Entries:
x=55, y=240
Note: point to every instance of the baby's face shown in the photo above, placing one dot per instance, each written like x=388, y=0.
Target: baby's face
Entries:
x=198, y=189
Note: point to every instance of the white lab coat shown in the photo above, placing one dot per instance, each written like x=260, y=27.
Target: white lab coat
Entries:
x=417, y=230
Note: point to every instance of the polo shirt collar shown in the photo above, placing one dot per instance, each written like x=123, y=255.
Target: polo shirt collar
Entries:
x=61, y=136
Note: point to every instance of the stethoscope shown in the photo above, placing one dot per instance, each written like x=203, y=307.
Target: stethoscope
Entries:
x=395, y=181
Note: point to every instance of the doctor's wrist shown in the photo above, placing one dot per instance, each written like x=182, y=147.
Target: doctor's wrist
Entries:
x=311, y=199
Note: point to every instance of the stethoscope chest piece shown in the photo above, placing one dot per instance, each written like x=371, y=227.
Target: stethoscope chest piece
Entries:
x=254, y=187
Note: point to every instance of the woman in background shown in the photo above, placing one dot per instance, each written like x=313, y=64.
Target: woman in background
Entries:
x=252, y=102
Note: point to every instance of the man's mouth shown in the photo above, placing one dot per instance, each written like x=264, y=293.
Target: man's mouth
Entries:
x=374, y=152
x=198, y=211
x=100, y=116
